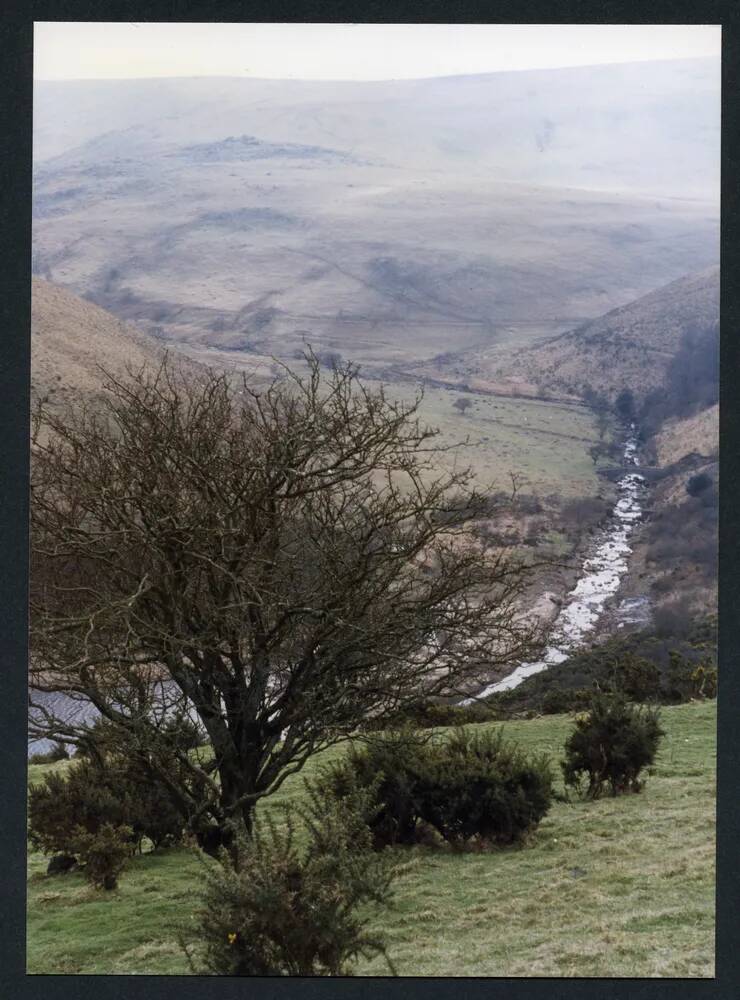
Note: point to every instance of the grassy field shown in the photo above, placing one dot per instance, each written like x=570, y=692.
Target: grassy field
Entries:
x=618, y=887
x=546, y=444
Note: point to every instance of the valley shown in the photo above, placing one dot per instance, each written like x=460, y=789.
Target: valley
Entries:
x=374, y=493
x=476, y=238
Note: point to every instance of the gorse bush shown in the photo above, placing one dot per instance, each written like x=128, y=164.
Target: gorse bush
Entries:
x=610, y=746
x=429, y=714
x=65, y=804
x=280, y=910
x=557, y=701
x=704, y=679
x=95, y=793
x=478, y=785
x=472, y=786
x=636, y=677
x=104, y=853
x=654, y=665
x=389, y=769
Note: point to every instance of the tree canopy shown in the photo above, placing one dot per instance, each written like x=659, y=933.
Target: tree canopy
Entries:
x=279, y=561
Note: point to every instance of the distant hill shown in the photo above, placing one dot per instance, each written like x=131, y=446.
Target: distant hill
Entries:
x=641, y=127
x=70, y=338
x=386, y=221
x=631, y=347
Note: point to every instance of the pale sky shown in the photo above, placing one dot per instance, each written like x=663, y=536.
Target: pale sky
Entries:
x=111, y=50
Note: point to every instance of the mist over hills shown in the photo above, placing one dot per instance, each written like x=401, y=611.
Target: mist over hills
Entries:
x=613, y=127
x=387, y=221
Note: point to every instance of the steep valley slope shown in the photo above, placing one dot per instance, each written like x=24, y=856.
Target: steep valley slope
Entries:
x=628, y=348
x=73, y=341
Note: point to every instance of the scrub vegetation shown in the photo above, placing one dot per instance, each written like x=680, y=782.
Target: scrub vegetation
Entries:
x=614, y=887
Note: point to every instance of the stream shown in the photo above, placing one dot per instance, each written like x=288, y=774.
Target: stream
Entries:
x=600, y=580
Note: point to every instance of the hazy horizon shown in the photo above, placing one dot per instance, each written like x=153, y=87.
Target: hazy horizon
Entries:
x=410, y=79
x=343, y=53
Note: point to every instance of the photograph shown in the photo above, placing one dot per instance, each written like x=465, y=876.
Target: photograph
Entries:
x=373, y=511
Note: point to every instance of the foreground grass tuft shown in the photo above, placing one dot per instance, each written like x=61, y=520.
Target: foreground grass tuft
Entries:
x=617, y=887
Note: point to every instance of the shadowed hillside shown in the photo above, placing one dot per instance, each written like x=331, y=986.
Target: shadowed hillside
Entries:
x=635, y=347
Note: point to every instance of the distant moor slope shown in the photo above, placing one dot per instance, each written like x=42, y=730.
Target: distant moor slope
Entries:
x=630, y=347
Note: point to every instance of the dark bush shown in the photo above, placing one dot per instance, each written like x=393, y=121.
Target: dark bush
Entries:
x=60, y=864
x=182, y=733
x=568, y=686
x=704, y=680
x=65, y=804
x=472, y=785
x=611, y=745
x=691, y=383
x=698, y=484
x=637, y=677
x=104, y=854
x=560, y=700
x=583, y=513
x=672, y=619
x=284, y=912
x=430, y=714
x=58, y=752
x=391, y=765
x=476, y=785
x=624, y=405
x=90, y=795
x=689, y=679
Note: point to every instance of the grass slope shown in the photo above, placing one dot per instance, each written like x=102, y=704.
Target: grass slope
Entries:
x=619, y=887
x=546, y=444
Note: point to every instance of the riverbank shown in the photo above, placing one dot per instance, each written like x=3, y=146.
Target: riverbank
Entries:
x=599, y=582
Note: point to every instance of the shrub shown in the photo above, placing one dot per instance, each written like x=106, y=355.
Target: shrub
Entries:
x=610, y=665
x=65, y=804
x=679, y=685
x=704, y=679
x=479, y=786
x=183, y=733
x=637, y=677
x=58, y=752
x=557, y=701
x=698, y=484
x=104, y=853
x=581, y=514
x=279, y=911
x=624, y=405
x=471, y=786
x=388, y=770
x=94, y=793
x=611, y=745
x=462, y=403
x=430, y=714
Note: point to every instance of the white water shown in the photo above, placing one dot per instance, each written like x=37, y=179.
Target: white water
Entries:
x=602, y=575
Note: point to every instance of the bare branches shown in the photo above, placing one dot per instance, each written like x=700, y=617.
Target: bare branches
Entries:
x=288, y=559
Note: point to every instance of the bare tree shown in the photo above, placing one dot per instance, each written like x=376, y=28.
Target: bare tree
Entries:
x=282, y=563
x=462, y=403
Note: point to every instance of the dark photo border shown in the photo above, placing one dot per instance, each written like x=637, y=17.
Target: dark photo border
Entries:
x=16, y=67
